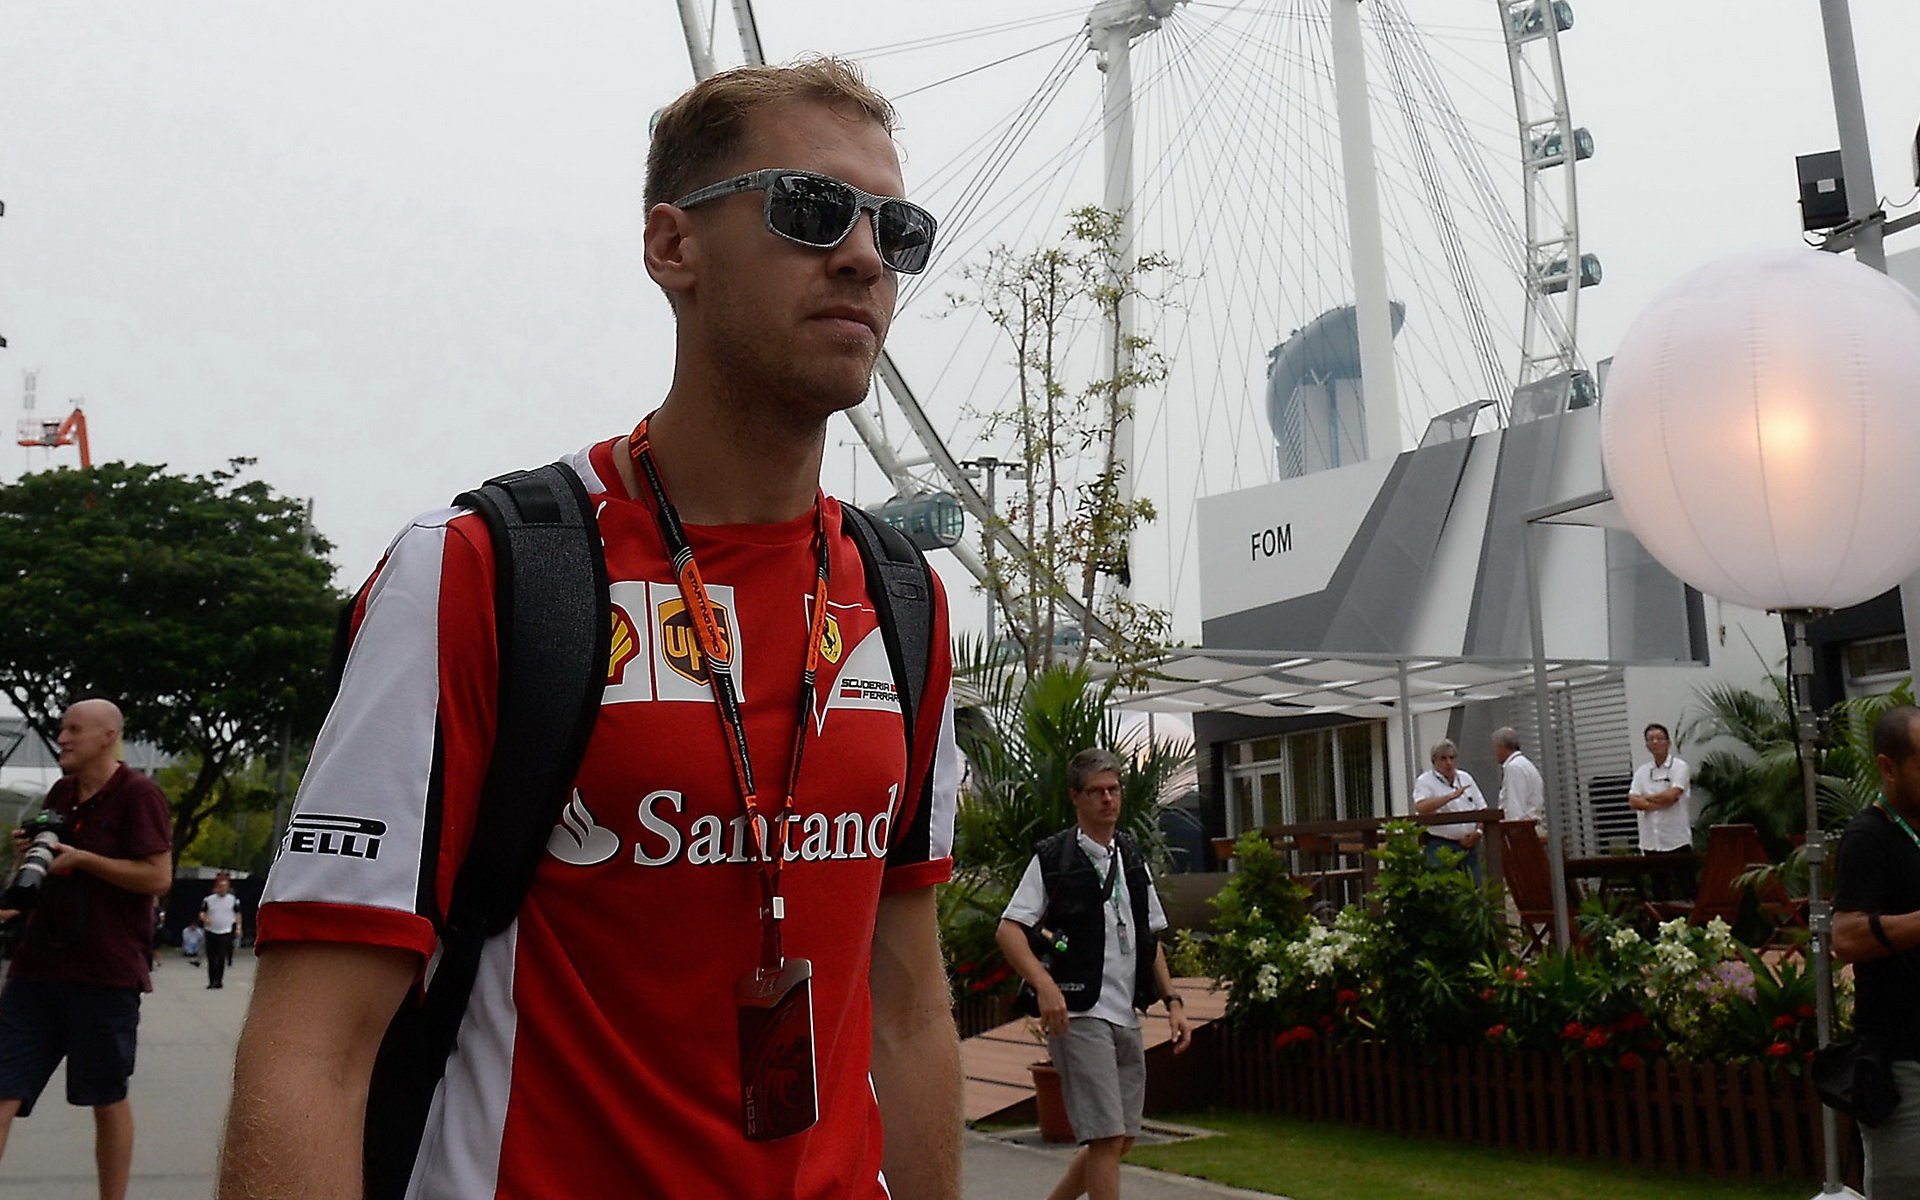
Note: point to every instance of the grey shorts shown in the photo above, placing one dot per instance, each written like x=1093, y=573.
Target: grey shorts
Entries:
x=1103, y=1075
x=1893, y=1146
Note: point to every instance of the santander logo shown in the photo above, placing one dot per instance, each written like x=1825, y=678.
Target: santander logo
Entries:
x=577, y=840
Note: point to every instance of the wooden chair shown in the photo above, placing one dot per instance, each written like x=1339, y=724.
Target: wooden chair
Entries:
x=1529, y=880
x=1733, y=851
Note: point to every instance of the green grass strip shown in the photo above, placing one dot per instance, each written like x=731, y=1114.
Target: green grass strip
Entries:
x=1310, y=1161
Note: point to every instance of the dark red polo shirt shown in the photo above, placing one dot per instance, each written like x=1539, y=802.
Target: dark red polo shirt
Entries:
x=86, y=930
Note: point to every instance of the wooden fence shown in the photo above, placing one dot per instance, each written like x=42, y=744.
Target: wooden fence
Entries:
x=977, y=1014
x=1733, y=1121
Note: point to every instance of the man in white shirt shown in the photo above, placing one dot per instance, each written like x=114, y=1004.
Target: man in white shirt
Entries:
x=1447, y=789
x=220, y=918
x=1088, y=887
x=1661, y=798
x=1523, y=794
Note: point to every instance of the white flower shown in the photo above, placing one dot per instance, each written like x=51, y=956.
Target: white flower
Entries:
x=1623, y=938
x=1257, y=947
x=1674, y=929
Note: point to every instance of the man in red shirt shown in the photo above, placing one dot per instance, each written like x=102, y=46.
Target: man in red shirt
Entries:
x=603, y=1048
x=74, y=988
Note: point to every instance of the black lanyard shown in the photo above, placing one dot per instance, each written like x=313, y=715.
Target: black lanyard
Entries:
x=717, y=648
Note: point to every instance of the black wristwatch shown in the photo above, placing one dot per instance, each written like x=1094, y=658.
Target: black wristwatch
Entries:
x=1173, y=998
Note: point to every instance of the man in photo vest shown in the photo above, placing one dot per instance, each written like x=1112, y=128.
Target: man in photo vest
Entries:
x=1088, y=888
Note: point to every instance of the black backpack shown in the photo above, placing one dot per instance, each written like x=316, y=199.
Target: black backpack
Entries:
x=553, y=626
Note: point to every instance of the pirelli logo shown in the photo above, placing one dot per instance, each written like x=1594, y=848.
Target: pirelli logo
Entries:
x=321, y=833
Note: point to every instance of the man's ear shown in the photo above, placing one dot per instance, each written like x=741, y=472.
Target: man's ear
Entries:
x=669, y=248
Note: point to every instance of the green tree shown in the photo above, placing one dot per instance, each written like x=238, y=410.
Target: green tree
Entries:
x=201, y=604
x=1072, y=517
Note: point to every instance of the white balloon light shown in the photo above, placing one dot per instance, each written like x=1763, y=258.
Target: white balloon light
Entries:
x=1761, y=428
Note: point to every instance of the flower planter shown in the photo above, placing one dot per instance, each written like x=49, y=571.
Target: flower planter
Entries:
x=1050, y=1103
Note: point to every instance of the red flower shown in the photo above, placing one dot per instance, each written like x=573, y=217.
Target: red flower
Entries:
x=1779, y=1050
x=978, y=985
x=1784, y=1022
x=1806, y=1012
x=1629, y=1061
x=966, y=968
x=1597, y=1039
x=1301, y=1033
x=1486, y=994
x=1347, y=996
x=1573, y=1032
x=1326, y=1023
x=1496, y=1032
x=1633, y=1022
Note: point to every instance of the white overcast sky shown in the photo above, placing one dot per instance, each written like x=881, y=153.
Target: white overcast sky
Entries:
x=388, y=249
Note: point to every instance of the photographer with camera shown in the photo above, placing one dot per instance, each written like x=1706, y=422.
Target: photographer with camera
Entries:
x=90, y=866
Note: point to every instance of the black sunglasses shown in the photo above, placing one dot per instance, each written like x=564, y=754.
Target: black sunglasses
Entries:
x=820, y=211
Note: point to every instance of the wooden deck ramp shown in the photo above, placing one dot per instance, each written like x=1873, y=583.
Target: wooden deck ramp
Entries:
x=995, y=1062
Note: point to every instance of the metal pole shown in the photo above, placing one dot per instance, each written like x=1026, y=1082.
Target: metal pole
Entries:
x=699, y=49
x=1379, y=391
x=1112, y=36
x=1406, y=735
x=1549, y=744
x=1850, y=114
x=1819, y=911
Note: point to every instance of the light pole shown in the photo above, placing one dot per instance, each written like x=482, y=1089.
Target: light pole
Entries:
x=1759, y=428
x=991, y=467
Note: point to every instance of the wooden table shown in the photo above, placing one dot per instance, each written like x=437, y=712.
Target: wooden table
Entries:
x=1626, y=873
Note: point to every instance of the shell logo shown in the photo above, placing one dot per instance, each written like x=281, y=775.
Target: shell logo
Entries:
x=625, y=646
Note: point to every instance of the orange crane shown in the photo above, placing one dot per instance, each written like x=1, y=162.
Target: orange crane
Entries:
x=36, y=431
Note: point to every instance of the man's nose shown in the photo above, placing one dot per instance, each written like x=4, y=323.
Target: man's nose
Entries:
x=858, y=254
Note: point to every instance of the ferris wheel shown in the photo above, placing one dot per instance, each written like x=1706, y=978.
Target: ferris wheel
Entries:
x=1317, y=169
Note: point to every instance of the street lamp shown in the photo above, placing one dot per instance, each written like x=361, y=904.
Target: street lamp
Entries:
x=1760, y=427
x=992, y=467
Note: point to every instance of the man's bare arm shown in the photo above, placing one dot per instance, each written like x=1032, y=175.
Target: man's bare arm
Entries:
x=1853, y=939
x=1011, y=936
x=916, y=1052
x=300, y=1076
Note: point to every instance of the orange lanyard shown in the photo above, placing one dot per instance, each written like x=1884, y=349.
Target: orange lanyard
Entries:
x=769, y=831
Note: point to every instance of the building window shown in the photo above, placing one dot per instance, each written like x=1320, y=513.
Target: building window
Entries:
x=1317, y=775
x=1875, y=665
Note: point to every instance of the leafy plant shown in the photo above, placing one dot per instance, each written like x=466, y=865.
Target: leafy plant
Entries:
x=1018, y=733
x=1430, y=929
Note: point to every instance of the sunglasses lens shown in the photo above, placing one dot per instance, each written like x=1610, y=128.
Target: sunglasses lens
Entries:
x=814, y=212
x=905, y=235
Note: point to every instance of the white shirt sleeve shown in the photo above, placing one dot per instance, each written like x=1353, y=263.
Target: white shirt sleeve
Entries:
x=1029, y=899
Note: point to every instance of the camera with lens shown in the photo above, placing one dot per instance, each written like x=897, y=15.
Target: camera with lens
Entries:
x=43, y=831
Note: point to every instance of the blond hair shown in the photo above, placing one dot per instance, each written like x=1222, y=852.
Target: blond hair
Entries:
x=697, y=135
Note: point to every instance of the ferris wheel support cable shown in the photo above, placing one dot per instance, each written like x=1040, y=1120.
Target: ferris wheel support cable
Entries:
x=896, y=383
x=1394, y=34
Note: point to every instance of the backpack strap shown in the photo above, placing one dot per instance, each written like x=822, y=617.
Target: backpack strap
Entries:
x=552, y=627
x=901, y=585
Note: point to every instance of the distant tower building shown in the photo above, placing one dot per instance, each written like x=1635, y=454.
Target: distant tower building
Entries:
x=1314, y=399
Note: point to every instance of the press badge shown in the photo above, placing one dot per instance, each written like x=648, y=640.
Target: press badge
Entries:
x=778, y=1092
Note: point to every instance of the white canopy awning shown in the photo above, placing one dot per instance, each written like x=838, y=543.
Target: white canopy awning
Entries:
x=1270, y=683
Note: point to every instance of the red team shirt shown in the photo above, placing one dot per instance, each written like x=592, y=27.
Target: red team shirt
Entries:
x=599, y=1052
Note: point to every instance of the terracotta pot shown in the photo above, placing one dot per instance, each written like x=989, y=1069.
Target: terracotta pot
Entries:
x=1051, y=1104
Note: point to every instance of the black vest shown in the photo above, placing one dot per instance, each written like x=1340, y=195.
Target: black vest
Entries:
x=1075, y=909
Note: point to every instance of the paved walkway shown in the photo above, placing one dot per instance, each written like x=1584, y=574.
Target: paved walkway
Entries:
x=185, y=1071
